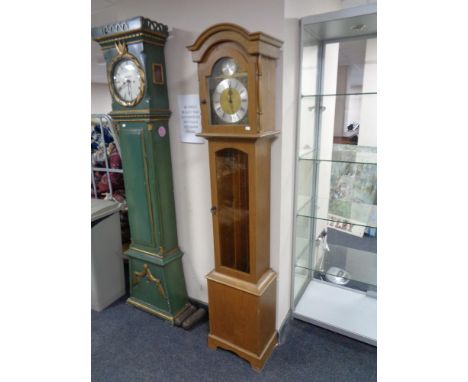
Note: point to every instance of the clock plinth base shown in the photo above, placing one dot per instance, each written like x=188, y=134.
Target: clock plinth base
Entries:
x=256, y=362
x=152, y=310
x=156, y=283
x=242, y=316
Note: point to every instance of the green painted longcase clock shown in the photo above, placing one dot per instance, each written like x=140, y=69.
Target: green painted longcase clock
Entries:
x=134, y=53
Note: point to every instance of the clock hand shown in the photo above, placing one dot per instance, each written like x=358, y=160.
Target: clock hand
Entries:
x=230, y=97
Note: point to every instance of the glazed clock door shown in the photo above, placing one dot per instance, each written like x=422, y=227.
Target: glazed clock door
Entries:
x=231, y=217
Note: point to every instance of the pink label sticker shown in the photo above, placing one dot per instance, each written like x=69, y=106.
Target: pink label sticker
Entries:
x=162, y=131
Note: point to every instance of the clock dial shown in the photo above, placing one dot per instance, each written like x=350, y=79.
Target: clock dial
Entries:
x=229, y=67
x=127, y=81
x=230, y=100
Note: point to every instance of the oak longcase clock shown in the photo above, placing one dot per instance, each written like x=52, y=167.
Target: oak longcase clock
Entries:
x=236, y=73
x=134, y=52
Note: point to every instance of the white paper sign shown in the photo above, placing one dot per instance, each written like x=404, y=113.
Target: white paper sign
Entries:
x=190, y=118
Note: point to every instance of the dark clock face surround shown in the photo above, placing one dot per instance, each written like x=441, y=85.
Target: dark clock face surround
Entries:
x=227, y=87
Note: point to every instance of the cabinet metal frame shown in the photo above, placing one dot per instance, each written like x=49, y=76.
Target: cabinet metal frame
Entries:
x=330, y=16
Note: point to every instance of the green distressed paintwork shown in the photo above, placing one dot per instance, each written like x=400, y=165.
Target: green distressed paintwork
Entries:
x=146, y=159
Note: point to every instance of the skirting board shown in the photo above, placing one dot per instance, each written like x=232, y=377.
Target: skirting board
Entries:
x=283, y=330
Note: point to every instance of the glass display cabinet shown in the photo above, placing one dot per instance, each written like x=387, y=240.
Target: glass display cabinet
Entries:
x=335, y=243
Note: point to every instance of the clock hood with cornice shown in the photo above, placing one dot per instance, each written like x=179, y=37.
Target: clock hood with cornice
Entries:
x=134, y=51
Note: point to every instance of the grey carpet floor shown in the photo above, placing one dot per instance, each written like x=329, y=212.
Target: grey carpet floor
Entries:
x=131, y=345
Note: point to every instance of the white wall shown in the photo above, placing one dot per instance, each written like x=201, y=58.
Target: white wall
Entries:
x=302, y=8
x=283, y=180
x=101, y=102
x=186, y=20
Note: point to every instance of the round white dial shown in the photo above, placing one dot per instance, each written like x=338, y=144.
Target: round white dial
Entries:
x=229, y=67
x=127, y=80
x=230, y=100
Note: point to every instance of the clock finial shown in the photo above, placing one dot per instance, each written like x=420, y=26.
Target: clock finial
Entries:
x=121, y=48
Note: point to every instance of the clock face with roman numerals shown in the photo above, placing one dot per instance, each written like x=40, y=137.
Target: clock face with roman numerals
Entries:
x=229, y=98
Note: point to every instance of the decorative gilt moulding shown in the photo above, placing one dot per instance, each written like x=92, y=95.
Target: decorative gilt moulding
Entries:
x=137, y=276
x=123, y=53
x=154, y=312
x=135, y=28
x=161, y=254
x=145, y=115
x=264, y=134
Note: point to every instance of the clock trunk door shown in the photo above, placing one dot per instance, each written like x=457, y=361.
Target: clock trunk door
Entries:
x=232, y=220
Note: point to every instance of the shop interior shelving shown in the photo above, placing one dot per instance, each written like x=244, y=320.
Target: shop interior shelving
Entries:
x=335, y=214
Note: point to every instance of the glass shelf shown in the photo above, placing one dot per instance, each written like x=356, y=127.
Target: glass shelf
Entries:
x=342, y=266
x=346, y=154
x=361, y=237
x=345, y=120
x=355, y=255
x=343, y=192
x=357, y=215
x=347, y=268
x=334, y=95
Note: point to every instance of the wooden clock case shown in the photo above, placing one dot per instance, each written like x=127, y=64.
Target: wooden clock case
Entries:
x=242, y=287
